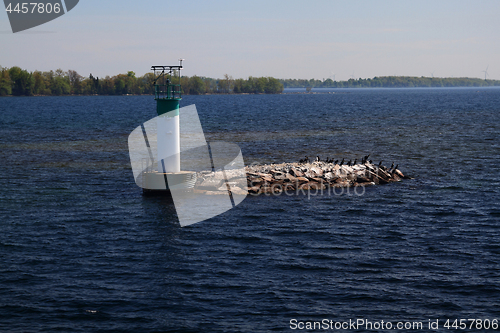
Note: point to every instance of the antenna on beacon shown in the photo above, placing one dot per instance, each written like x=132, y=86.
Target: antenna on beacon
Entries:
x=180, y=67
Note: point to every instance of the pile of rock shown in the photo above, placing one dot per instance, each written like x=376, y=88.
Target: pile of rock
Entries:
x=317, y=175
x=276, y=178
x=220, y=182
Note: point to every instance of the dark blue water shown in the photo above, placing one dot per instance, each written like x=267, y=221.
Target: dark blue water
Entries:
x=81, y=250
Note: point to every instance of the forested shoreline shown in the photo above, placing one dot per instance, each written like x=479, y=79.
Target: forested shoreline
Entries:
x=15, y=81
x=392, y=82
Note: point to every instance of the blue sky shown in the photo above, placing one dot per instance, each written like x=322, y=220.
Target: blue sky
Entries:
x=284, y=39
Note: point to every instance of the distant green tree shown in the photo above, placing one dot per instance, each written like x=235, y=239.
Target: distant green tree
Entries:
x=239, y=85
x=273, y=86
x=225, y=85
x=196, y=86
x=39, y=88
x=145, y=83
x=75, y=81
x=131, y=83
x=210, y=85
x=248, y=85
x=94, y=86
x=260, y=85
x=23, y=82
x=119, y=86
x=60, y=86
x=185, y=86
x=125, y=84
x=106, y=86
x=5, y=82
x=328, y=83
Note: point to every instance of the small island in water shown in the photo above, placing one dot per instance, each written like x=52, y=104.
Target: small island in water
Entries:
x=296, y=178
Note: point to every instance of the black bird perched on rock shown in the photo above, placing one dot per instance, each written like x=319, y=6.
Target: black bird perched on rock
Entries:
x=336, y=161
x=342, y=162
x=392, y=166
x=394, y=170
x=349, y=163
x=317, y=159
x=365, y=159
x=306, y=160
x=355, y=160
x=380, y=164
x=371, y=162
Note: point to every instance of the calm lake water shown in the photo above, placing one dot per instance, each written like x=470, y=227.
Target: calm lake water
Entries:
x=81, y=250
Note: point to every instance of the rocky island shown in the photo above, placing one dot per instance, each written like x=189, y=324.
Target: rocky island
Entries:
x=296, y=177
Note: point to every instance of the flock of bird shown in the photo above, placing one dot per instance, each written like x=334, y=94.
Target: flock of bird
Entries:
x=364, y=160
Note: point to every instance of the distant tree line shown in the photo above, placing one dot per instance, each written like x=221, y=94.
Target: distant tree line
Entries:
x=391, y=82
x=18, y=82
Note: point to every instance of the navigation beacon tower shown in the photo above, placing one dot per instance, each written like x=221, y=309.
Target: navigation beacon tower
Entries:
x=167, y=89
